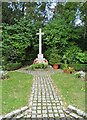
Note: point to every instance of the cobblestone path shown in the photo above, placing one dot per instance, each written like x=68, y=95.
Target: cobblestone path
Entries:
x=45, y=101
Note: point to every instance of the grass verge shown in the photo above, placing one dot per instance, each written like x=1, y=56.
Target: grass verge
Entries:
x=71, y=88
x=15, y=91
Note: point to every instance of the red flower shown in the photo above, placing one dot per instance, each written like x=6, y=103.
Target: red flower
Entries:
x=35, y=61
x=45, y=60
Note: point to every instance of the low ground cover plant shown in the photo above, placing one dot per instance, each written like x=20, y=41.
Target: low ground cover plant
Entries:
x=38, y=66
x=67, y=68
x=3, y=75
x=78, y=67
x=13, y=66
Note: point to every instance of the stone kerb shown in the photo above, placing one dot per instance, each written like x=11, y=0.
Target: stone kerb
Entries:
x=14, y=113
x=73, y=111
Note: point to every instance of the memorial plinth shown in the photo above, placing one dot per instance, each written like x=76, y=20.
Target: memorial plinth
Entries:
x=40, y=58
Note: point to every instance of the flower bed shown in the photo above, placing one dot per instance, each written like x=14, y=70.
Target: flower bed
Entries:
x=36, y=61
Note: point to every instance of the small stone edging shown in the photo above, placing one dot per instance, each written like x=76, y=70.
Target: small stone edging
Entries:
x=71, y=109
x=14, y=113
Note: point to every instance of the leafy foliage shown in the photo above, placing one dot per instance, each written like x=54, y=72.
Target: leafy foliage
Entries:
x=74, y=54
x=62, y=33
x=38, y=66
x=54, y=59
x=79, y=67
x=19, y=40
x=12, y=11
x=35, y=11
x=3, y=75
x=62, y=36
x=13, y=66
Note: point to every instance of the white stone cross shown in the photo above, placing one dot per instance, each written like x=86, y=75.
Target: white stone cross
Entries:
x=40, y=40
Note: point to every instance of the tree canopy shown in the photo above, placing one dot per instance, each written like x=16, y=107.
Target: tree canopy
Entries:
x=21, y=21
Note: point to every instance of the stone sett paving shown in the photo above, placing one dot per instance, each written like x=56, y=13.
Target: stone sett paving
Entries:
x=44, y=101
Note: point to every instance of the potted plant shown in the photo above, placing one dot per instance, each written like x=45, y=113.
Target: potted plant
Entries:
x=68, y=69
x=55, y=60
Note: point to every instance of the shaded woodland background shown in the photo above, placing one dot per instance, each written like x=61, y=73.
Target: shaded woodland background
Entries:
x=21, y=21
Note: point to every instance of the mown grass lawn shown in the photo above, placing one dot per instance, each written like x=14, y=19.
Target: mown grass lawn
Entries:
x=71, y=88
x=15, y=91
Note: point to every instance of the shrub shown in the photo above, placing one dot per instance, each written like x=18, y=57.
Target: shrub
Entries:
x=63, y=66
x=54, y=59
x=74, y=54
x=79, y=67
x=50, y=51
x=3, y=75
x=80, y=74
x=37, y=66
x=67, y=67
x=13, y=66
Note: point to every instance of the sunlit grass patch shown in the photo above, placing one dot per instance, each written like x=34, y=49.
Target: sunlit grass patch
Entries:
x=15, y=91
x=71, y=88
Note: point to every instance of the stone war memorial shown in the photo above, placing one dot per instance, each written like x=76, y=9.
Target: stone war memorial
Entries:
x=45, y=102
x=40, y=58
x=44, y=62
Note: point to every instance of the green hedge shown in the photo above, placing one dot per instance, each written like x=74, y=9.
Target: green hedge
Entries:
x=79, y=66
x=75, y=66
x=62, y=65
x=13, y=66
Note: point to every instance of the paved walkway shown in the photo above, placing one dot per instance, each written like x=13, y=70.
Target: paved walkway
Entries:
x=45, y=101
